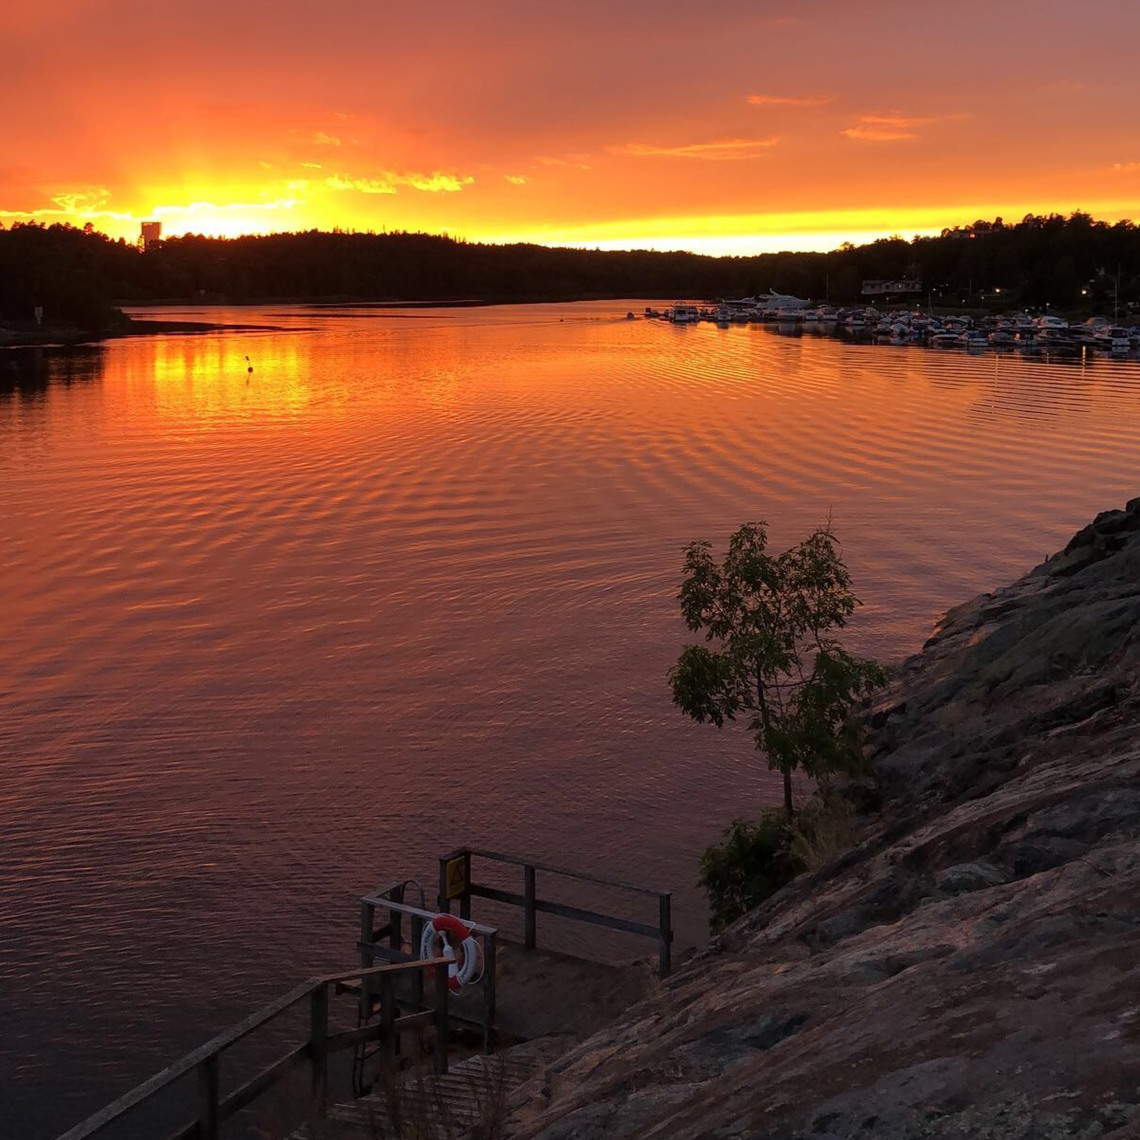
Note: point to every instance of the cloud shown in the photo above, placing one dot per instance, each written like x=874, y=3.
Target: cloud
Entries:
x=87, y=203
x=577, y=161
x=893, y=127
x=229, y=207
x=878, y=134
x=790, y=100
x=721, y=150
x=434, y=183
x=321, y=138
x=1126, y=167
x=515, y=179
x=389, y=181
x=361, y=185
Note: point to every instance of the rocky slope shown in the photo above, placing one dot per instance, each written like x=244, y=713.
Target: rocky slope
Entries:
x=972, y=967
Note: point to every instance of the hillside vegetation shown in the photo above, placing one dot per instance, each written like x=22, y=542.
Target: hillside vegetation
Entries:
x=75, y=275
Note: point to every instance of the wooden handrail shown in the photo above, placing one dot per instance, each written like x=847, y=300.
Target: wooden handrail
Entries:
x=532, y=905
x=214, y=1109
x=600, y=880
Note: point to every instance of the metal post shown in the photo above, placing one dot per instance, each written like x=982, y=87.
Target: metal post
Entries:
x=528, y=891
x=440, y=1064
x=208, y=1116
x=318, y=1048
x=666, y=934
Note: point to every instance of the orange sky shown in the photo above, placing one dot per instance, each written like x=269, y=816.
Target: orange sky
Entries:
x=720, y=125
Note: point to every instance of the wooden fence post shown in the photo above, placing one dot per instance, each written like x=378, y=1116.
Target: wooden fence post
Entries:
x=529, y=894
x=666, y=935
x=440, y=1020
x=319, y=1049
x=388, y=1020
x=443, y=902
x=417, y=975
x=489, y=981
x=208, y=1116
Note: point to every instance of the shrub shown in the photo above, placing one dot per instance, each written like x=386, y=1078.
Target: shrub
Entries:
x=752, y=862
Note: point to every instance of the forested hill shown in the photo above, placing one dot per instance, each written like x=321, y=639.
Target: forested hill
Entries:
x=77, y=274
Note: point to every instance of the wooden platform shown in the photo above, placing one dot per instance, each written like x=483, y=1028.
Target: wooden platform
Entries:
x=542, y=993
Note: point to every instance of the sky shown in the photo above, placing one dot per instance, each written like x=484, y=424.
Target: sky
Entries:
x=721, y=126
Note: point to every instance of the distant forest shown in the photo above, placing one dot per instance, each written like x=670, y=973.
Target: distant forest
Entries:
x=78, y=275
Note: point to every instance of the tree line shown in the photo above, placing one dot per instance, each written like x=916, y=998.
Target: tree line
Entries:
x=77, y=275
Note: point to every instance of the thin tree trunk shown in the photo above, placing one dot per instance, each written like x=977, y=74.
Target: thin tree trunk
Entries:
x=788, y=807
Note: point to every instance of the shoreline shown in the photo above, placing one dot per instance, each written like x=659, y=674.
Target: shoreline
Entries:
x=66, y=337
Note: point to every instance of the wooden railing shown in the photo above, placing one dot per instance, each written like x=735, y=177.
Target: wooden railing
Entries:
x=532, y=905
x=386, y=943
x=205, y=1061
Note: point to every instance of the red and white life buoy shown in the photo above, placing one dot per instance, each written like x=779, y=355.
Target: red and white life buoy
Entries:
x=437, y=942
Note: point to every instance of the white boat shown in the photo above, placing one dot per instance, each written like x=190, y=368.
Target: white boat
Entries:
x=1112, y=338
x=780, y=302
x=684, y=315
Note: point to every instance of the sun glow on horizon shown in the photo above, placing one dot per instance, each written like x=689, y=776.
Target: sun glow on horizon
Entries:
x=739, y=135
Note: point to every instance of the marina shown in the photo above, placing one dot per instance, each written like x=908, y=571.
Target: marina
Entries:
x=1017, y=331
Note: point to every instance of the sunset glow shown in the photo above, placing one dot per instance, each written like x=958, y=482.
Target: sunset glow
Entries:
x=744, y=127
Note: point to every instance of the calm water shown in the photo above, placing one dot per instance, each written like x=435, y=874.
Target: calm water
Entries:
x=266, y=644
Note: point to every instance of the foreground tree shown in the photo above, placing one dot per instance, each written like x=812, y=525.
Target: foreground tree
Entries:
x=770, y=651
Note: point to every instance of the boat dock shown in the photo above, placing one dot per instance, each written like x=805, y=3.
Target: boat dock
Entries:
x=443, y=1019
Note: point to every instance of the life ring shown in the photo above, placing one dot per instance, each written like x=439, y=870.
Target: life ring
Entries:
x=436, y=942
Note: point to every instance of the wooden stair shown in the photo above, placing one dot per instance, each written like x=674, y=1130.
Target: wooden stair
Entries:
x=473, y=1095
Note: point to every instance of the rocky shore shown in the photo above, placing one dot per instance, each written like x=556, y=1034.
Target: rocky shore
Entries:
x=972, y=967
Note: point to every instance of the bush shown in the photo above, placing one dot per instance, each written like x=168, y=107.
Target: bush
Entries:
x=751, y=863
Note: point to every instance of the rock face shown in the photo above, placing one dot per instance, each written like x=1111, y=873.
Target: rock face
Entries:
x=972, y=967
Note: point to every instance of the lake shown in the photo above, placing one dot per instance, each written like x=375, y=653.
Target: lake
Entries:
x=272, y=639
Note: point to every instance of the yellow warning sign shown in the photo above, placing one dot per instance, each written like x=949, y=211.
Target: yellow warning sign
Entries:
x=457, y=877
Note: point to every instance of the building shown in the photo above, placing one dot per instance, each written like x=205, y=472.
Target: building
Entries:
x=151, y=234
x=904, y=288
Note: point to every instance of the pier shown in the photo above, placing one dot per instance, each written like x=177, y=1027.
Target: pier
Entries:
x=421, y=1047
